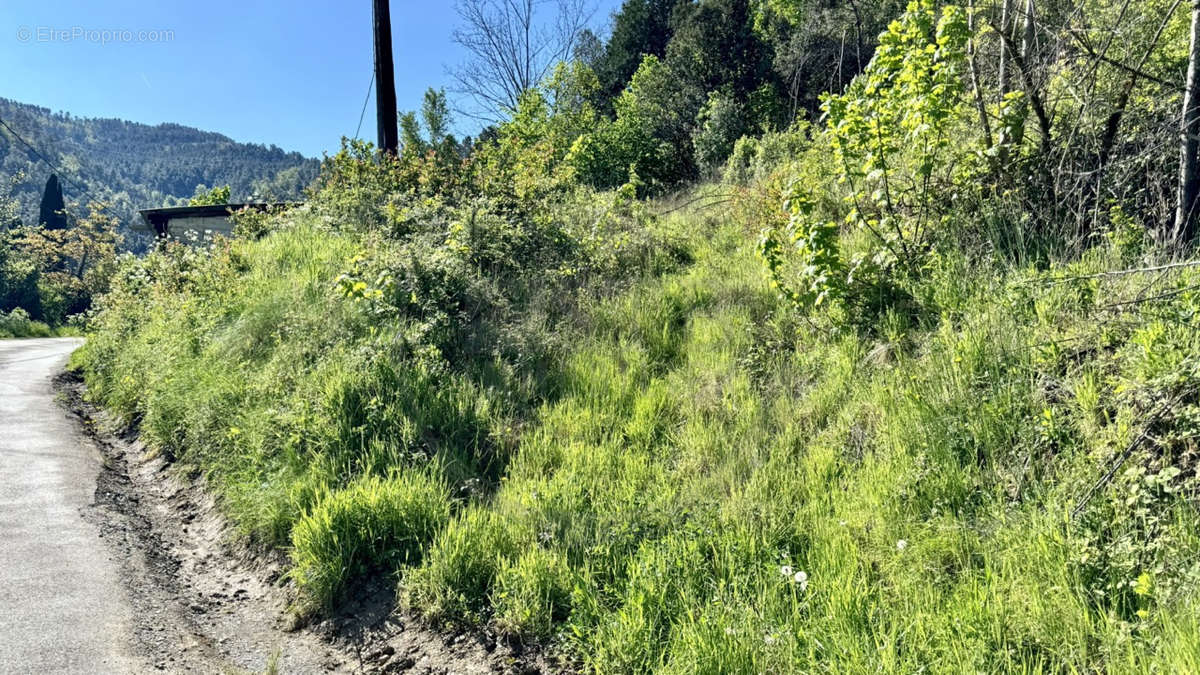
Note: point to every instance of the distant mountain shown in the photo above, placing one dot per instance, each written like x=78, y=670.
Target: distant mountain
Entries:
x=135, y=166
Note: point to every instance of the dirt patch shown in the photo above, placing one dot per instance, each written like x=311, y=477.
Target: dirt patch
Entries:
x=205, y=603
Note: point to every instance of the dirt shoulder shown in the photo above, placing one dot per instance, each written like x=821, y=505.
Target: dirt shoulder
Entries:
x=204, y=603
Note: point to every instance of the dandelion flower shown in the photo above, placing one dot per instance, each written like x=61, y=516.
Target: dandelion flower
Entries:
x=786, y=570
x=901, y=545
x=801, y=578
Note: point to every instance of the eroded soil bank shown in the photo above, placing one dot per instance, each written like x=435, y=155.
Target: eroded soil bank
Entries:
x=203, y=602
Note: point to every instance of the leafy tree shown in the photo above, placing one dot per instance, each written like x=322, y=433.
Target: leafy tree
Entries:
x=715, y=46
x=411, y=141
x=51, y=214
x=818, y=46
x=10, y=208
x=71, y=266
x=530, y=160
x=206, y=197
x=589, y=49
x=436, y=114
x=18, y=275
x=720, y=123
x=651, y=135
x=891, y=147
x=640, y=28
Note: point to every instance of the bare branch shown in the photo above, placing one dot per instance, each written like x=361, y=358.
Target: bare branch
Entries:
x=512, y=45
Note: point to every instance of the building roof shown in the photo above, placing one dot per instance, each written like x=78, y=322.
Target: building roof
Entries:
x=153, y=219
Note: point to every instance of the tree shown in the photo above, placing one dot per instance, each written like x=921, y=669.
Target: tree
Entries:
x=721, y=122
x=821, y=46
x=205, y=197
x=10, y=208
x=641, y=28
x=70, y=266
x=1189, y=141
x=512, y=46
x=588, y=49
x=651, y=135
x=436, y=114
x=410, y=135
x=715, y=46
x=51, y=214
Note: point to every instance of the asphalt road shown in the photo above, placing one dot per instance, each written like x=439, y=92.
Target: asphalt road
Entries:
x=63, y=608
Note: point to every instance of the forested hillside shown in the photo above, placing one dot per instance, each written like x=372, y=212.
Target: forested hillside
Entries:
x=133, y=166
x=757, y=337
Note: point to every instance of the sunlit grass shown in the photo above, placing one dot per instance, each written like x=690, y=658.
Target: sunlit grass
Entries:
x=647, y=496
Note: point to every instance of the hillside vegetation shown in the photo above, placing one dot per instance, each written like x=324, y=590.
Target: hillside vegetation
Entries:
x=913, y=387
x=131, y=166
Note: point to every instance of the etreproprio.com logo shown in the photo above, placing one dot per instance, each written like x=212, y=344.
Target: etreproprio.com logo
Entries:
x=103, y=36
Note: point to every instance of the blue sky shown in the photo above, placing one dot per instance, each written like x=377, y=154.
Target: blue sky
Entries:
x=289, y=73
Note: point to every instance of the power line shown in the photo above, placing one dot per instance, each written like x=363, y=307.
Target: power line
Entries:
x=364, y=108
x=42, y=157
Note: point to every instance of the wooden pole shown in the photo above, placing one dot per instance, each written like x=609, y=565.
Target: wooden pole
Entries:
x=385, y=79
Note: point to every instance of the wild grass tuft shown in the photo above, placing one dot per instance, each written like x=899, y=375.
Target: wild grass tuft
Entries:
x=373, y=525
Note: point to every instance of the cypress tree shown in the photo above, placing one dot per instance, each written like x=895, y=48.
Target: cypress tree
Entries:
x=51, y=215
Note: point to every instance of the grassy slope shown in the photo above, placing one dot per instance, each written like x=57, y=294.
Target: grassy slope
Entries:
x=690, y=442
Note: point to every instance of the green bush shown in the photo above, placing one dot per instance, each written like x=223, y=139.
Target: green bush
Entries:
x=17, y=323
x=719, y=125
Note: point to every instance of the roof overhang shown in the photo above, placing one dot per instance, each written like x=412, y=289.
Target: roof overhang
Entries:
x=156, y=220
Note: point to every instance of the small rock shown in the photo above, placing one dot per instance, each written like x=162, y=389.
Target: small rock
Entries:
x=400, y=665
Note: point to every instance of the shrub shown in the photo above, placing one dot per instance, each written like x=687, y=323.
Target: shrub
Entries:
x=17, y=323
x=720, y=123
x=892, y=145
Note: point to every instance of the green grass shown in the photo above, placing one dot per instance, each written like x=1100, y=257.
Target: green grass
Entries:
x=628, y=476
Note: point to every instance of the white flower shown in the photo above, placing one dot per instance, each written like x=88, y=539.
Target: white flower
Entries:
x=730, y=630
x=901, y=545
x=801, y=578
x=786, y=570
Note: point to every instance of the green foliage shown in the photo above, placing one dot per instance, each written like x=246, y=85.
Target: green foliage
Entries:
x=587, y=420
x=18, y=323
x=206, y=197
x=893, y=148
x=640, y=28
x=719, y=125
x=18, y=276
x=532, y=159
x=54, y=274
x=373, y=525
x=753, y=160
x=131, y=166
x=811, y=244
x=374, y=333
x=51, y=213
x=650, y=136
x=890, y=133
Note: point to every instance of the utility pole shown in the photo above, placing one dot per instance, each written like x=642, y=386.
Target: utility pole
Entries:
x=385, y=79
